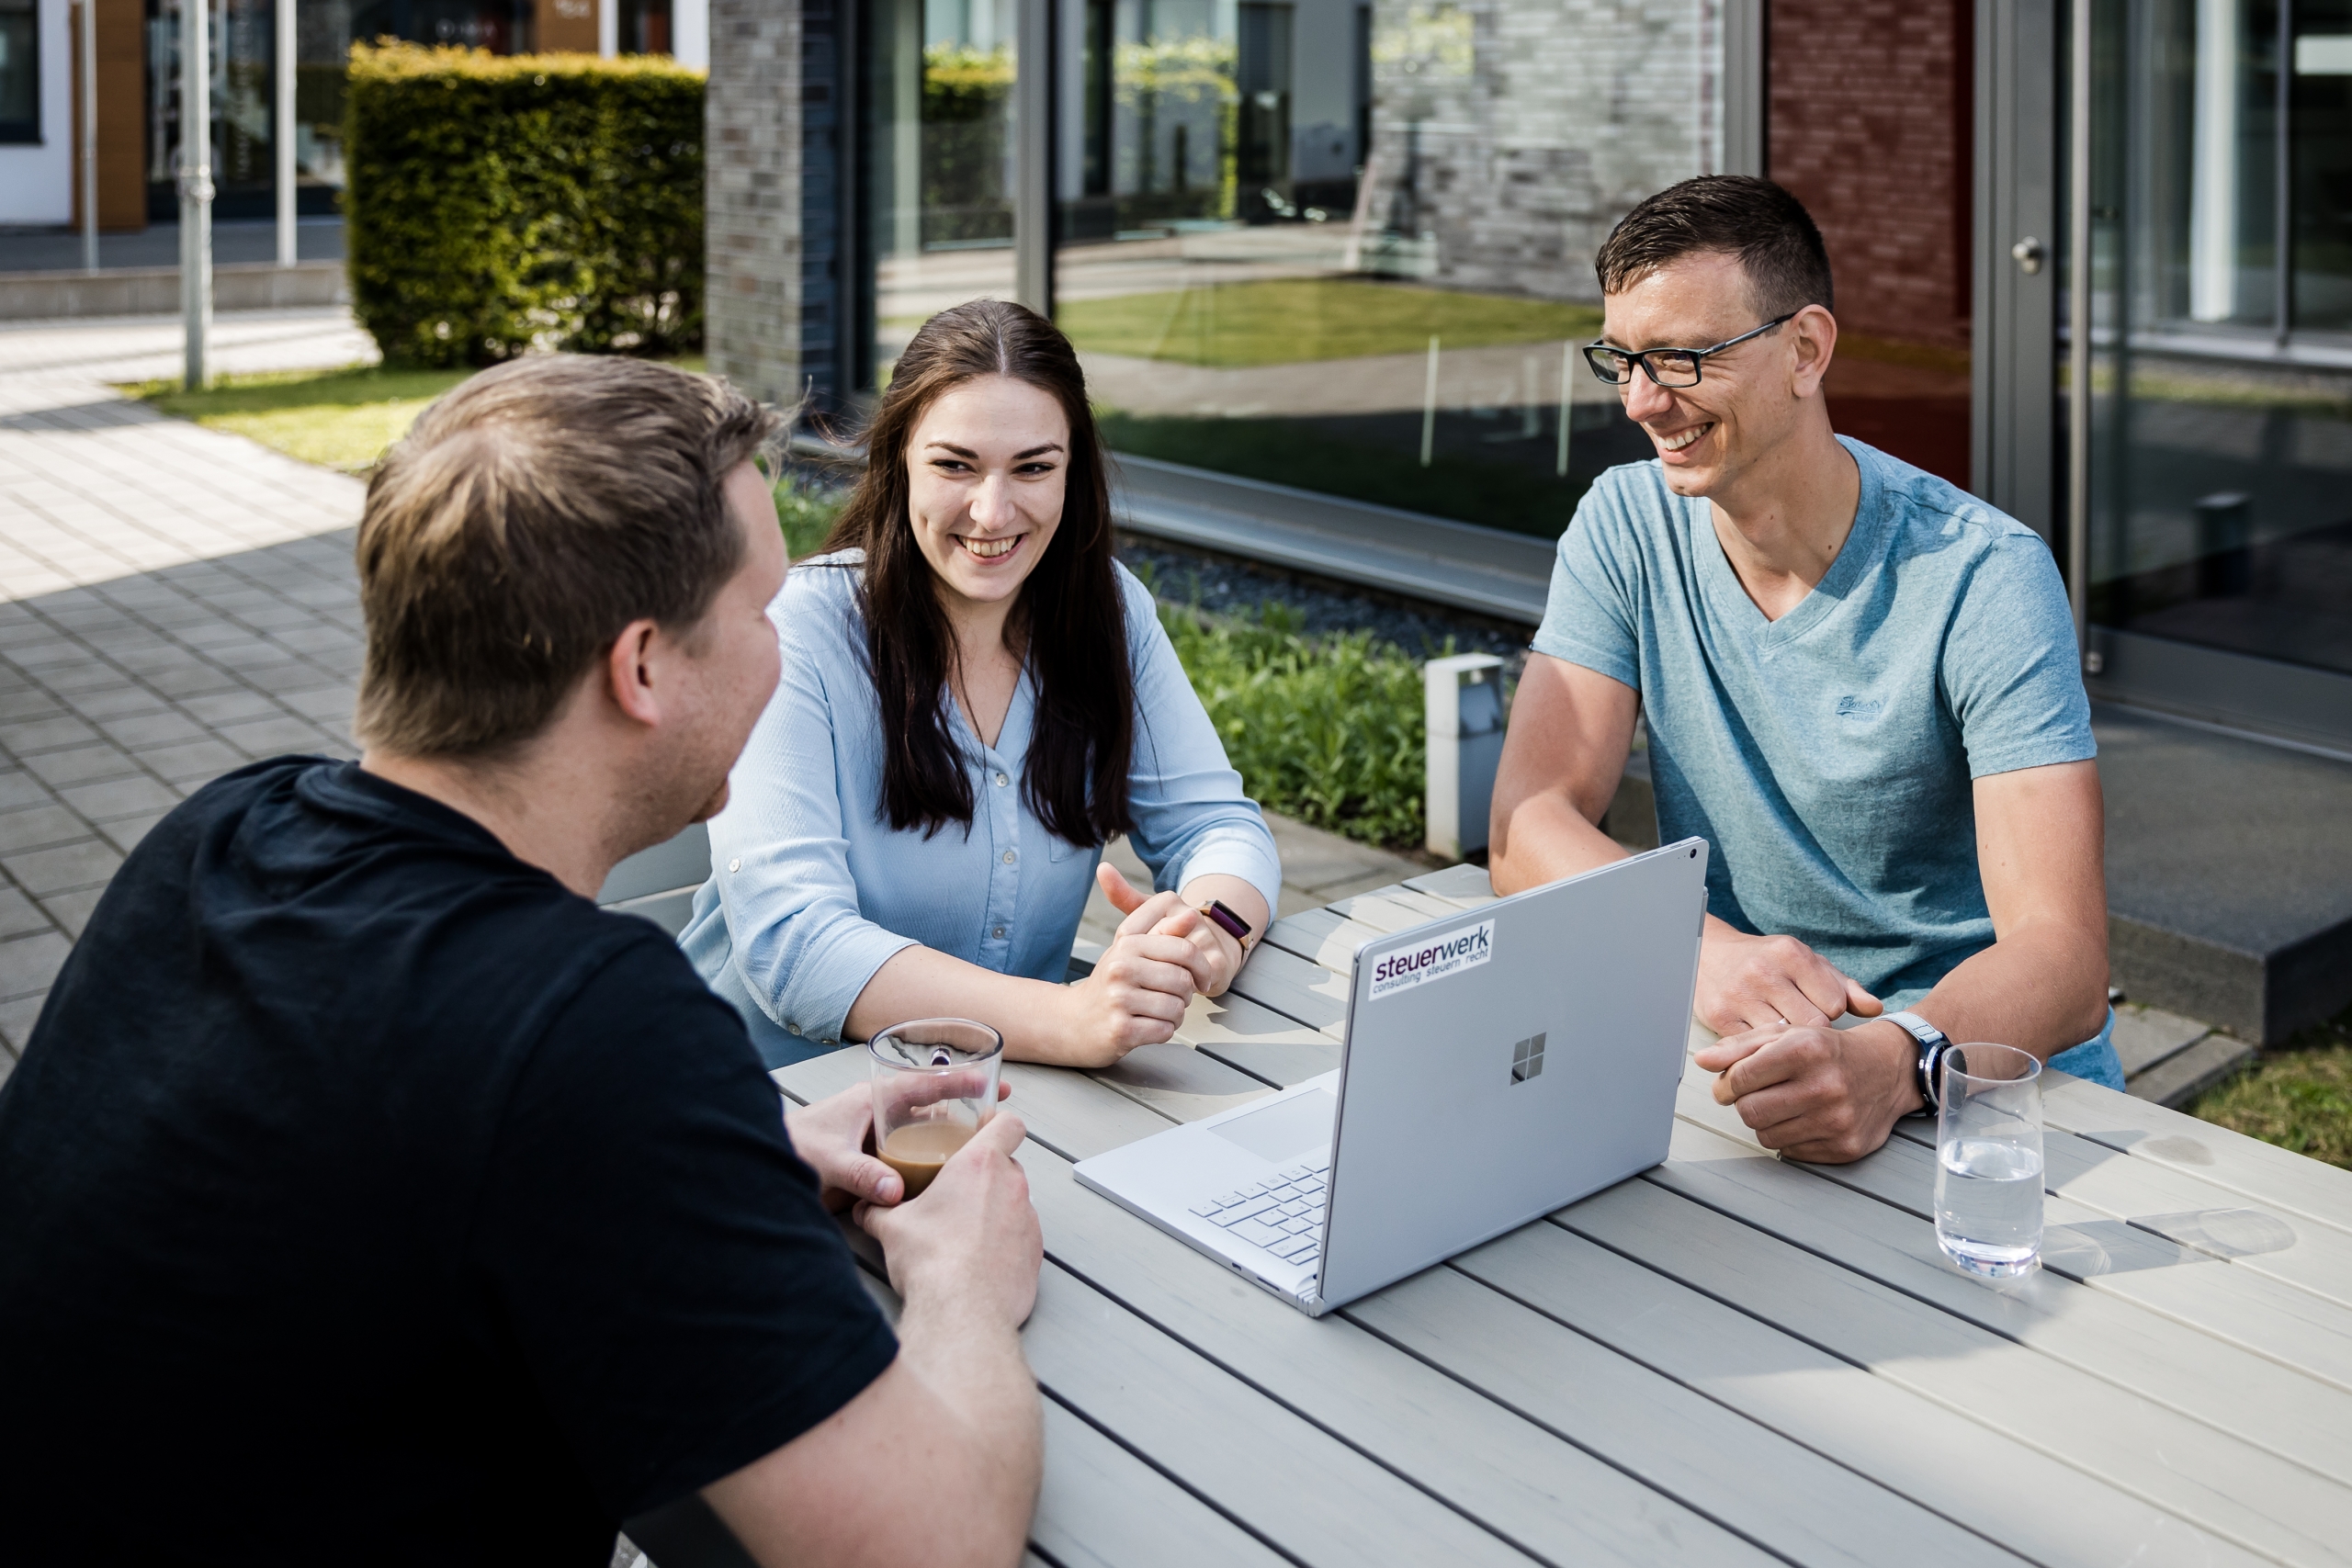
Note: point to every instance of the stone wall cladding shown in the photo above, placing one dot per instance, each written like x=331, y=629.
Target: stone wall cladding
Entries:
x=754, y=234
x=1869, y=125
x=1519, y=131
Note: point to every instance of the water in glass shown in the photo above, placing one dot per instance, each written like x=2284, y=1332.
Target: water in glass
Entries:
x=1988, y=1204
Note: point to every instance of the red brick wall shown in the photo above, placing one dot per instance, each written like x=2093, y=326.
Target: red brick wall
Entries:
x=1869, y=125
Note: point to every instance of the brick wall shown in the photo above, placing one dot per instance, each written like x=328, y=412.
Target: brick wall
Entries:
x=1869, y=125
x=1519, y=131
x=754, y=227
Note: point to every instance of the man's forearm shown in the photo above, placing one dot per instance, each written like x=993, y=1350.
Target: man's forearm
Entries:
x=1544, y=839
x=977, y=1372
x=2042, y=987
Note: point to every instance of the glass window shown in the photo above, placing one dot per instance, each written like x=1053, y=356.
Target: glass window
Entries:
x=322, y=37
x=644, y=26
x=19, y=71
x=2221, y=426
x=1349, y=246
x=940, y=161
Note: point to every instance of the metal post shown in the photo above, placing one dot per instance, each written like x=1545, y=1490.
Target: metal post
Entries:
x=2078, y=324
x=1032, y=200
x=1742, y=87
x=282, y=133
x=195, y=184
x=2282, y=216
x=1463, y=709
x=89, y=31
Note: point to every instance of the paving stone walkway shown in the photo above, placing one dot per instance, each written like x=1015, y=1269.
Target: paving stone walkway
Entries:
x=173, y=602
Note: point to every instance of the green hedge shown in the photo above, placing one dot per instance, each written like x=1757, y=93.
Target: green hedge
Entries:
x=500, y=203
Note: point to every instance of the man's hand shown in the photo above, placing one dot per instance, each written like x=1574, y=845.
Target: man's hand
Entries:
x=1828, y=1096
x=970, y=1242
x=1766, y=982
x=831, y=1134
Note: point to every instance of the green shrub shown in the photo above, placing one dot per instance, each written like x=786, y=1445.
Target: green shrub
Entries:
x=805, y=510
x=500, y=203
x=1326, y=729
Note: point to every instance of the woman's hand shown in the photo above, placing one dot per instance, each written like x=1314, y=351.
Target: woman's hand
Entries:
x=1216, y=958
x=1136, y=995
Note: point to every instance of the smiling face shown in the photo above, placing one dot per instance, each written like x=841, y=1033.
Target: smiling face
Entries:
x=987, y=466
x=1749, y=400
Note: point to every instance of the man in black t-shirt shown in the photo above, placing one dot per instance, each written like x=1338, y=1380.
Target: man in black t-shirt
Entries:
x=367, y=1195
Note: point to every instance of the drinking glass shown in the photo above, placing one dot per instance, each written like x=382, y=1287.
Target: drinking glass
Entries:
x=1988, y=1160
x=934, y=1086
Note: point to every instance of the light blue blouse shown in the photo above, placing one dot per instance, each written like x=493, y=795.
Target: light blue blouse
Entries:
x=811, y=891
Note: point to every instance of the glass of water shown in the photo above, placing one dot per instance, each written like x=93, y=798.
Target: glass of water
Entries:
x=1988, y=1160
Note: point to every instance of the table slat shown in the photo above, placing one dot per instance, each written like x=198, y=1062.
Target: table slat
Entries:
x=2269, y=1175
x=1808, y=1285
x=1396, y=908
x=1520, y=1480
x=1103, y=1507
x=1290, y=1482
x=1465, y=886
x=1786, y=1498
x=1324, y=937
x=1938, y=1457
x=2191, y=1211
x=1257, y=1040
x=1298, y=989
x=2286, y=1327
x=1068, y=1112
x=1179, y=1082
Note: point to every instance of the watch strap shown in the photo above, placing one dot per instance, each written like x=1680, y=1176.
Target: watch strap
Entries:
x=1220, y=914
x=1933, y=1043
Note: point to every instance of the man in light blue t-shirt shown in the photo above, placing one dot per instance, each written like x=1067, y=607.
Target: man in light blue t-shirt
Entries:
x=1862, y=690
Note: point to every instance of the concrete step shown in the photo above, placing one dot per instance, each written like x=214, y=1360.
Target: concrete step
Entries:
x=150, y=290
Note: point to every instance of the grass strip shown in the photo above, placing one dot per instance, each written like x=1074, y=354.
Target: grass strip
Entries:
x=1287, y=320
x=2298, y=1095
x=337, y=419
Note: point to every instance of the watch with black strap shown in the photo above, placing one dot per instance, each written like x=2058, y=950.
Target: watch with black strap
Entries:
x=1932, y=1047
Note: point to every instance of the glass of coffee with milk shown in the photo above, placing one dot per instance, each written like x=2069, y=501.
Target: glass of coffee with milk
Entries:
x=934, y=1086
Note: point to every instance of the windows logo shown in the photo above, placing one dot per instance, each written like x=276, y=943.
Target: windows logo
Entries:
x=1527, y=1059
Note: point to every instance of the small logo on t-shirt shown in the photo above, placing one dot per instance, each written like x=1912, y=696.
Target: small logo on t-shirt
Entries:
x=1860, y=707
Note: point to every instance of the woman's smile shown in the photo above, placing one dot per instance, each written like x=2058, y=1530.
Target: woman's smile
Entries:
x=989, y=549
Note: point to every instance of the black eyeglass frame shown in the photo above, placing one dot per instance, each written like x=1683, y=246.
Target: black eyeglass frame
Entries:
x=1601, y=357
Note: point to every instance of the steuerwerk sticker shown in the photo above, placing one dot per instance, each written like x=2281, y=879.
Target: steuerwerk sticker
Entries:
x=1405, y=967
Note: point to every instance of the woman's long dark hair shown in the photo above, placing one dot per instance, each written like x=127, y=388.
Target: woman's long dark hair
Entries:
x=1070, y=617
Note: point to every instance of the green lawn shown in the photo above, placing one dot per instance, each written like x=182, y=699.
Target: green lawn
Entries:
x=337, y=419
x=1284, y=320
x=2299, y=1096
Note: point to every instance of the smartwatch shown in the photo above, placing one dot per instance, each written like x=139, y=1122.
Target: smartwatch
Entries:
x=1932, y=1047
x=1218, y=913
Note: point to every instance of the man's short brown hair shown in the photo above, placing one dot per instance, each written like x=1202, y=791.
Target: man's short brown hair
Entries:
x=528, y=517
x=1777, y=242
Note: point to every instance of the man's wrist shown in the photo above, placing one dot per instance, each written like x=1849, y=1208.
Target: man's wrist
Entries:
x=1902, y=1053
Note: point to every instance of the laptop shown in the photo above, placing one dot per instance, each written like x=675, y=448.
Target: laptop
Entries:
x=1499, y=1063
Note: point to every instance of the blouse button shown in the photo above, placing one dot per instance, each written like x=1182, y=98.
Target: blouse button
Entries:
x=1010, y=856
x=1003, y=779
x=735, y=864
x=1000, y=933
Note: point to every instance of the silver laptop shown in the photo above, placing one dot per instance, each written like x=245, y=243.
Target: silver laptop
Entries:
x=1499, y=1063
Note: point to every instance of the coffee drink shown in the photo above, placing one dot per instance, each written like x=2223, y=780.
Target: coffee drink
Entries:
x=917, y=1150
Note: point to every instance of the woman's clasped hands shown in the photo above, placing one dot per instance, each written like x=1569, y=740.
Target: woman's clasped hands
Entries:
x=1164, y=954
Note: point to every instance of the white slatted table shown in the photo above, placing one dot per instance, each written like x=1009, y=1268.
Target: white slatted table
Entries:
x=1728, y=1360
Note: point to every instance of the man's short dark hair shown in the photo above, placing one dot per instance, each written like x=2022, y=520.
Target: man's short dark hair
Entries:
x=1738, y=214
x=528, y=517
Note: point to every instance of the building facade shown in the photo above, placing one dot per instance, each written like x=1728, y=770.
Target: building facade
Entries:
x=1345, y=246
x=137, y=103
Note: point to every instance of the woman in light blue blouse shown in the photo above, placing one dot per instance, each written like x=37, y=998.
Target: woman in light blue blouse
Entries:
x=975, y=697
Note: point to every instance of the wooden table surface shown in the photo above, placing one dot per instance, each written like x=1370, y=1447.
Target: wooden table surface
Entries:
x=1727, y=1360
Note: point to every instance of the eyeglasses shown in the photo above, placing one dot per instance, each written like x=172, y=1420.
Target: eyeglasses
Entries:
x=1666, y=367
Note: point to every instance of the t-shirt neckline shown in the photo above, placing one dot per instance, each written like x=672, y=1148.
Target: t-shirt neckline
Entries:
x=1854, y=557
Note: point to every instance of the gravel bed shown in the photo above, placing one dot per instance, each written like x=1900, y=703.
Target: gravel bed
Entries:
x=1225, y=586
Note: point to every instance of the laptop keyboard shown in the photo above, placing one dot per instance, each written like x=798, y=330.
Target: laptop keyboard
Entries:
x=1283, y=1216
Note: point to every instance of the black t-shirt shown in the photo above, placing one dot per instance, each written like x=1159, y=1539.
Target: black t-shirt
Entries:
x=367, y=1197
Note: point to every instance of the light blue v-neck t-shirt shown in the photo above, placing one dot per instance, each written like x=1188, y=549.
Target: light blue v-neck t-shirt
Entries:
x=1826, y=757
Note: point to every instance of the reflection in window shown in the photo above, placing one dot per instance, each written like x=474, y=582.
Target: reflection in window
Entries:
x=1348, y=247
x=19, y=71
x=941, y=174
x=2221, y=426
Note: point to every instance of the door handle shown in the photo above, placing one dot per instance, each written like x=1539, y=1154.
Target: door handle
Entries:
x=2027, y=253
